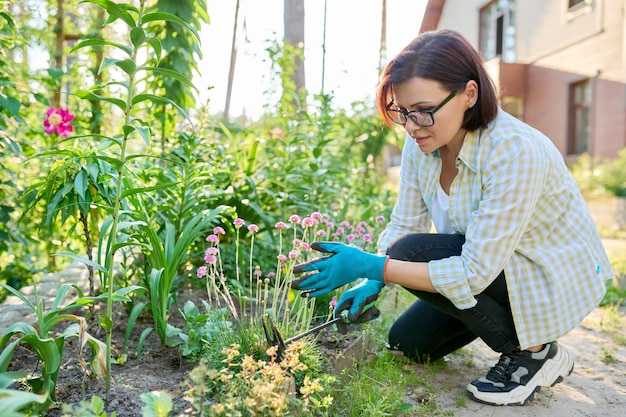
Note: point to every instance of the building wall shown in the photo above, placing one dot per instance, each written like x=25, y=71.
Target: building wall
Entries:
x=560, y=48
x=463, y=16
x=589, y=46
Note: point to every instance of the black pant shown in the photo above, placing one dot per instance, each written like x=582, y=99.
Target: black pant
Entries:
x=433, y=327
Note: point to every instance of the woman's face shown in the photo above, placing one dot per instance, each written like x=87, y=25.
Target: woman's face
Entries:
x=426, y=94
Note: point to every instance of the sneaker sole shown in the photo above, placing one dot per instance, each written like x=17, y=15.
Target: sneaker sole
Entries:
x=550, y=374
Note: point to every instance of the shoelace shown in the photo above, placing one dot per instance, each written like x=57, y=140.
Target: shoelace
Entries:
x=501, y=372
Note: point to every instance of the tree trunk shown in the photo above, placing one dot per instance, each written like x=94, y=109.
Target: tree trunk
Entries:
x=58, y=51
x=294, y=36
x=382, y=57
x=233, y=60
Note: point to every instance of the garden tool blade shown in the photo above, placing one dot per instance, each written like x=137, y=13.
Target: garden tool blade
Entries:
x=315, y=329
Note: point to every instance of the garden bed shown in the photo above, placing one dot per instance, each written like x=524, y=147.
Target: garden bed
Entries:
x=160, y=368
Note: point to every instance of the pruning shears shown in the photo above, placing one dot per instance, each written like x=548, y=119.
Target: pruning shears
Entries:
x=274, y=338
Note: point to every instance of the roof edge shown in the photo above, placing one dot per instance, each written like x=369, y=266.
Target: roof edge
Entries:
x=432, y=14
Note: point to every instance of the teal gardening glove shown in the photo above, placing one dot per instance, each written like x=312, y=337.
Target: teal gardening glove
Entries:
x=357, y=298
x=344, y=265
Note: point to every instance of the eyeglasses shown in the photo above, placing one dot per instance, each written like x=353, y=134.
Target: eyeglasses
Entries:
x=422, y=118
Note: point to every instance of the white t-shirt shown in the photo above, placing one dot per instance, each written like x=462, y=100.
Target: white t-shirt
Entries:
x=441, y=218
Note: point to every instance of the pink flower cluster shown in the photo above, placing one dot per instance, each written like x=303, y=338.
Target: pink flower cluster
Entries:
x=58, y=121
x=358, y=235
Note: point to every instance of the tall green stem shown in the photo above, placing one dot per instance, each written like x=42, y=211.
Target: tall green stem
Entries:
x=116, y=212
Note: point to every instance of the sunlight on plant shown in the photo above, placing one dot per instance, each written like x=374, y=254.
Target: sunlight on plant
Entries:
x=248, y=387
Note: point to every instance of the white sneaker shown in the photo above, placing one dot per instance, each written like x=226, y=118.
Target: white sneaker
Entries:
x=518, y=375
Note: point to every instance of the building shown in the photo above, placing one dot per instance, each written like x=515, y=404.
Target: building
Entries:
x=559, y=65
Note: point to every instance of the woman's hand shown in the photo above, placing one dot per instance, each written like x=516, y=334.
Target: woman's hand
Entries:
x=344, y=265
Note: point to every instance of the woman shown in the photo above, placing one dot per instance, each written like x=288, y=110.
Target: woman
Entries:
x=516, y=259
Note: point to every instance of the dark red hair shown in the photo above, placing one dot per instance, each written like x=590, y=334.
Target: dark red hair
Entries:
x=447, y=57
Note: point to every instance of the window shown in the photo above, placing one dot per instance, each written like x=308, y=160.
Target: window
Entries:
x=497, y=30
x=575, y=8
x=580, y=104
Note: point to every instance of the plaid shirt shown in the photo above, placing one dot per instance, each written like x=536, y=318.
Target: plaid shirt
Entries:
x=522, y=213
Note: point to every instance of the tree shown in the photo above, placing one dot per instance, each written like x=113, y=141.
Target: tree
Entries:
x=233, y=60
x=293, y=21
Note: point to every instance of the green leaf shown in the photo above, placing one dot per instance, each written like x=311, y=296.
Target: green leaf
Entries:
x=144, y=132
x=137, y=36
x=81, y=183
x=174, y=74
x=132, y=318
x=97, y=405
x=106, y=323
x=169, y=17
x=15, y=400
x=88, y=95
x=55, y=73
x=151, y=97
x=11, y=104
x=60, y=295
x=83, y=260
x=123, y=292
x=132, y=191
x=19, y=295
x=155, y=43
x=116, y=163
x=9, y=19
x=126, y=225
x=142, y=339
x=157, y=404
x=101, y=42
x=127, y=65
x=48, y=351
x=115, y=11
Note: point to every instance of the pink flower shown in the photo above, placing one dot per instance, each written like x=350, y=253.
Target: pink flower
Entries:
x=212, y=251
x=294, y=218
x=253, y=228
x=281, y=257
x=212, y=238
x=210, y=259
x=350, y=237
x=271, y=274
x=277, y=132
x=257, y=271
x=320, y=233
x=293, y=254
x=333, y=302
x=219, y=231
x=58, y=121
x=280, y=225
x=305, y=246
x=307, y=222
x=201, y=271
x=316, y=215
x=367, y=238
x=380, y=219
x=340, y=231
x=239, y=222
